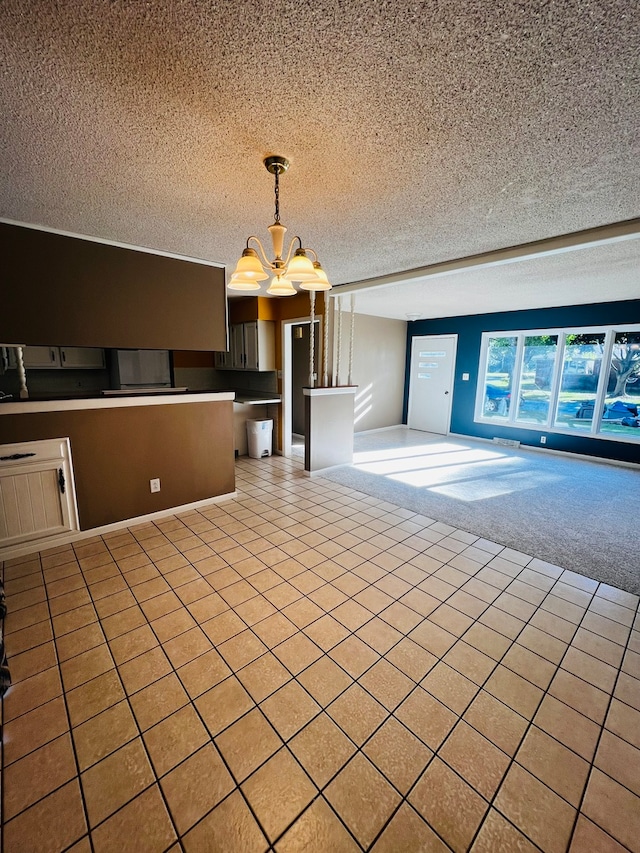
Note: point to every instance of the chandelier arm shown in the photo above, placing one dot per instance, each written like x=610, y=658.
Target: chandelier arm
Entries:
x=264, y=260
x=290, y=249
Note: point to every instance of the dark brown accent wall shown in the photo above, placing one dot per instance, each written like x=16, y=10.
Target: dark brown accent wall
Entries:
x=185, y=358
x=116, y=451
x=69, y=291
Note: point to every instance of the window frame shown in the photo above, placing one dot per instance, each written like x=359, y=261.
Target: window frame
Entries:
x=510, y=420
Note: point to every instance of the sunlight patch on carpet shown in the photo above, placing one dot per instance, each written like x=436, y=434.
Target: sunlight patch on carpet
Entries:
x=493, y=487
x=413, y=461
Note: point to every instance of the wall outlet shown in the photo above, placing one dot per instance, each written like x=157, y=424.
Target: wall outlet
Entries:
x=543, y=439
x=154, y=485
x=465, y=377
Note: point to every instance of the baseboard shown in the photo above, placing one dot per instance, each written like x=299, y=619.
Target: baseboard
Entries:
x=381, y=429
x=620, y=463
x=24, y=548
x=322, y=471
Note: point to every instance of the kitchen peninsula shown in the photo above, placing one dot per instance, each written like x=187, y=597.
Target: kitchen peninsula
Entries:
x=119, y=444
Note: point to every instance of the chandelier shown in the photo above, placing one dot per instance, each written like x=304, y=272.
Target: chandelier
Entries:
x=295, y=266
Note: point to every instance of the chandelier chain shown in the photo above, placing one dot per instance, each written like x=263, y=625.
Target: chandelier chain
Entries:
x=277, y=193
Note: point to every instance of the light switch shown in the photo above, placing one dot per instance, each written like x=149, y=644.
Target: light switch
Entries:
x=465, y=377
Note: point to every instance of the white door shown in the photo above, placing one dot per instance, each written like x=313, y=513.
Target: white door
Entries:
x=431, y=383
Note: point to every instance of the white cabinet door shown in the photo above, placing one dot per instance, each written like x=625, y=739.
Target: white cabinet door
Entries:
x=37, y=497
x=38, y=357
x=86, y=357
x=266, y=345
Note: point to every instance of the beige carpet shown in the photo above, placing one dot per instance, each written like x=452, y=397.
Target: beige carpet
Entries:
x=572, y=512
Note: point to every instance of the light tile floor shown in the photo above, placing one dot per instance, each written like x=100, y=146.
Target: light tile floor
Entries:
x=308, y=668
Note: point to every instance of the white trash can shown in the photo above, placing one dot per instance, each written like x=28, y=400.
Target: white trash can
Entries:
x=259, y=437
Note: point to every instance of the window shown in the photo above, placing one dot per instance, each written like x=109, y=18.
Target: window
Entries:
x=501, y=359
x=584, y=381
x=582, y=360
x=622, y=399
x=536, y=378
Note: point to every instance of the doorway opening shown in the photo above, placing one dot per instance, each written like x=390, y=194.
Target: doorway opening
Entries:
x=296, y=339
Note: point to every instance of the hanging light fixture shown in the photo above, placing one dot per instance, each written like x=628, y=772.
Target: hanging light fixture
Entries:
x=295, y=266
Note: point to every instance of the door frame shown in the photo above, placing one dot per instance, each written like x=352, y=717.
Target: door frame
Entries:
x=452, y=337
x=287, y=376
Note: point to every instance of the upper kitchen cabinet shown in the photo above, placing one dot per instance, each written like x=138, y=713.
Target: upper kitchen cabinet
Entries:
x=82, y=357
x=253, y=347
x=43, y=358
x=81, y=292
x=37, y=357
x=252, y=344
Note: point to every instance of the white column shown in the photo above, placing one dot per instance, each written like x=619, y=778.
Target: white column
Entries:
x=312, y=336
x=353, y=316
x=325, y=348
x=339, y=340
x=22, y=374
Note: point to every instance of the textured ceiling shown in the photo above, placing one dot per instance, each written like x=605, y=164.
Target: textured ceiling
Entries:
x=417, y=131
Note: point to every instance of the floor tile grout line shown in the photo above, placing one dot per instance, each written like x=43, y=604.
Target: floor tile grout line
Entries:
x=396, y=599
x=237, y=787
x=522, y=739
x=361, y=626
x=351, y=632
x=69, y=732
x=350, y=676
x=156, y=781
x=460, y=716
x=592, y=762
x=295, y=734
x=319, y=796
x=356, y=681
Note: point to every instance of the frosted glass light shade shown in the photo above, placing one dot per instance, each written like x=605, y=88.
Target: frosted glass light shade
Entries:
x=300, y=267
x=249, y=266
x=238, y=281
x=320, y=282
x=280, y=287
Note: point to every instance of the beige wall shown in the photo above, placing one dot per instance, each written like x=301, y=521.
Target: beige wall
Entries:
x=378, y=369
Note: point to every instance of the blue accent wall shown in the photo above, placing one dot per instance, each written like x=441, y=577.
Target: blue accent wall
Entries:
x=469, y=331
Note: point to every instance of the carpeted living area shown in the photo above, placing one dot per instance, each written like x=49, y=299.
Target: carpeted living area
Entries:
x=572, y=512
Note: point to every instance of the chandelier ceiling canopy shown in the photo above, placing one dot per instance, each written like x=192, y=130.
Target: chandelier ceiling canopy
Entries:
x=286, y=268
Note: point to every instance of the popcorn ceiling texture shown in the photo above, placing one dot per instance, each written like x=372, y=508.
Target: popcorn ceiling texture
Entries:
x=417, y=131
